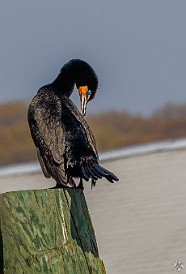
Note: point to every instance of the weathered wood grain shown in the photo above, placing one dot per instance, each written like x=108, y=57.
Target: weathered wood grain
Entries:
x=48, y=231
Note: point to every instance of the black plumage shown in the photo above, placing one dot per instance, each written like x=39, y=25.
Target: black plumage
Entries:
x=64, y=142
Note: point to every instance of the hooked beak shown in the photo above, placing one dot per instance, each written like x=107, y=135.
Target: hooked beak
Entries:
x=83, y=98
x=84, y=101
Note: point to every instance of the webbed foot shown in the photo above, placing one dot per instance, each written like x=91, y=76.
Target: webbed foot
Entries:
x=80, y=186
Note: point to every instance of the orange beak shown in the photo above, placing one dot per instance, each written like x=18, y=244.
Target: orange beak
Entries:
x=83, y=98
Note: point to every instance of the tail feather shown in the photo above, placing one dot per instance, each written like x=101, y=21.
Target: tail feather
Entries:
x=94, y=171
x=85, y=175
x=110, y=174
x=87, y=171
x=100, y=170
x=109, y=178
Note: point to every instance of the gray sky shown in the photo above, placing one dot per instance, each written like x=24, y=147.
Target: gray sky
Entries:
x=137, y=47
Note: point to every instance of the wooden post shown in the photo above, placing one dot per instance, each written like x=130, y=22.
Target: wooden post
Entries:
x=48, y=231
x=1, y=251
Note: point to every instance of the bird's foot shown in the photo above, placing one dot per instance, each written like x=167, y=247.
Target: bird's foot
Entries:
x=80, y=186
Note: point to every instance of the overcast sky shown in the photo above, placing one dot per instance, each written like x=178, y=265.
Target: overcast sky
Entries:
x=137, y=47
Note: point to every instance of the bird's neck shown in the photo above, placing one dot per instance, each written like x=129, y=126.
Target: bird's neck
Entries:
x=67, y=77
x=63, y=84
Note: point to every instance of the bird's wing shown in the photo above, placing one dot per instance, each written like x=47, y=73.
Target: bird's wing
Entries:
x=89, y=167
x=44, y=117
x=84, y=124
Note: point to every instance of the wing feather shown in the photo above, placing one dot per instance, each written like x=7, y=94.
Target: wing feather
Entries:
x=44, y=117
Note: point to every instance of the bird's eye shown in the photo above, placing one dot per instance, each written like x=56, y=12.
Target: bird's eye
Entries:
x=89, y=92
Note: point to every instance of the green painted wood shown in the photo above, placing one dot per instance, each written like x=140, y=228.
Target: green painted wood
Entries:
x=1, y=252
x=48, y=231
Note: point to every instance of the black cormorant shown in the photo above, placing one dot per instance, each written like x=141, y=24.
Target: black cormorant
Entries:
x=64, y=142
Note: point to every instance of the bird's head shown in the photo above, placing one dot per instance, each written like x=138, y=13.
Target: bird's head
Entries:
x=78, y=72
x=86, y=83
